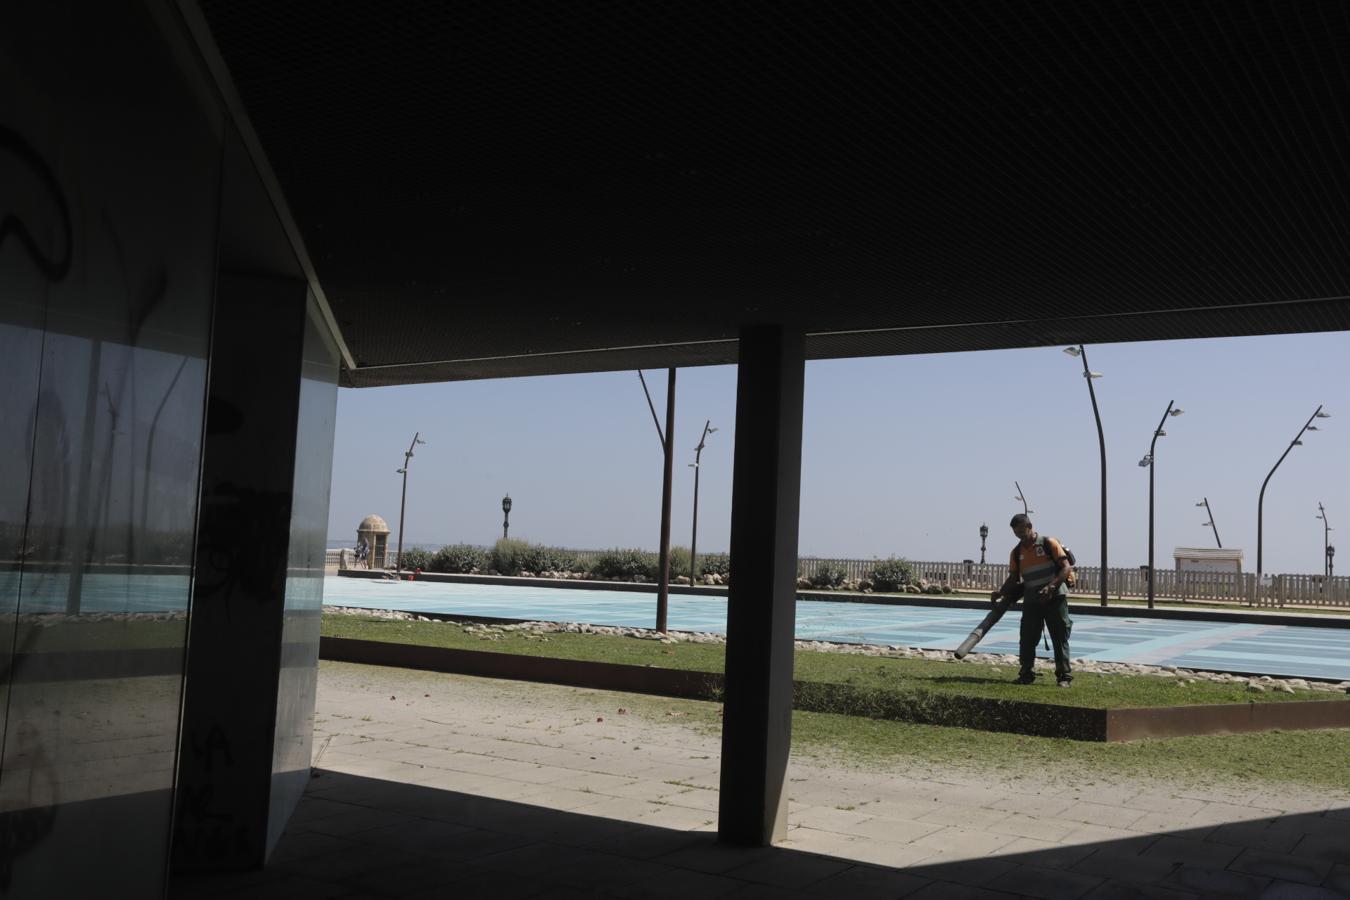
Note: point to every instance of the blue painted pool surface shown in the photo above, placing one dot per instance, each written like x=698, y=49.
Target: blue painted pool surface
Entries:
x=1282, y=650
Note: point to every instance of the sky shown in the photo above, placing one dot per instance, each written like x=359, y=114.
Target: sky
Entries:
x=902, y=456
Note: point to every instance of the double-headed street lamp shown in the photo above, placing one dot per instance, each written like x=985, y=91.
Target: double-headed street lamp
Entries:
x=984, y=533
x=693, y=538
x=1210, y=523
x=1081, y=353
x=1326, y=540
x=403, y=501
x=1261, y=500
x=1148, y=462
x=506, y=515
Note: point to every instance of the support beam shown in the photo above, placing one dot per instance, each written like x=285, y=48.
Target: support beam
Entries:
x=761, y=602
x=252, y=658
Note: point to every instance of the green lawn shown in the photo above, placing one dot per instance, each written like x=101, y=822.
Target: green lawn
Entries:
x=906, y=676
x=1303, y=758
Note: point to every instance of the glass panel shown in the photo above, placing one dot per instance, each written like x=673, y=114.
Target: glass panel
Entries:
x=107, y=290
x=304, y=576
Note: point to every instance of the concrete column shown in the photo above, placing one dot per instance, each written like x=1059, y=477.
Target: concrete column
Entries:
x=235, y=650
x=766, y=487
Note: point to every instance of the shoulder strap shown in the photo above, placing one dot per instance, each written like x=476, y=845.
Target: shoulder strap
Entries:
x=1044, y=540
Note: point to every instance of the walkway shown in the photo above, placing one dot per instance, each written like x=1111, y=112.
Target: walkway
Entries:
x=432, y=785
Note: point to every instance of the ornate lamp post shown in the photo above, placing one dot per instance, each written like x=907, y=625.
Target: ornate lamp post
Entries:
x=1088, y=375
x=1331, y=561
x=1261, y=500
x=984, y=534
x=506, y=515
x=403, y=501
x=1148, y=463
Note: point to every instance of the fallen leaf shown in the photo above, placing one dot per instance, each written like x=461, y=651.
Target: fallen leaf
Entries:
x=622, y=711
x=599, y=718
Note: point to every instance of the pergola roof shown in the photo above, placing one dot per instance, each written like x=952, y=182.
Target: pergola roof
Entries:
x=504, y=188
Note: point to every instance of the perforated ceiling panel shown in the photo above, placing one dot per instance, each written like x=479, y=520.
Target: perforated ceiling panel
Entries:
x=510, y=188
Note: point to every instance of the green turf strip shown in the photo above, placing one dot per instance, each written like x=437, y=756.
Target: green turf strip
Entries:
x=965, y=679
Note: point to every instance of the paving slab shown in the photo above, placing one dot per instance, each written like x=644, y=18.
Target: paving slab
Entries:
x=446, y=789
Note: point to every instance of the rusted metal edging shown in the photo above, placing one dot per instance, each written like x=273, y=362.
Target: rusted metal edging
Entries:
x=1225, y=718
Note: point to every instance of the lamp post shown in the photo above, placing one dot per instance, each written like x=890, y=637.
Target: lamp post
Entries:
x=693, y=537
x=1025, y=509
x=1148, y=463
x=1326, y=540
x=403, y=501
x=667, y=438
x=506, y=515
x=1261, y=500
x=1210, y=523
x=1081, y=353
x=1331, y=561
x=984, y=533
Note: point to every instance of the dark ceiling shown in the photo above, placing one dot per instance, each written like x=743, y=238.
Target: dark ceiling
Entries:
x=503, y=188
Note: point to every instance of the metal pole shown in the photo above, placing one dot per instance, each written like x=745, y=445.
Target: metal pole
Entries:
x=663, y=564
x=401, y=504
x=1261, y=499
x=1023, y=498
x=984, y=533
x=1326, y=538
x=1212, y=525
x=693, y=537
x=1101, y=443
x=403, y=501
x=1153, y=464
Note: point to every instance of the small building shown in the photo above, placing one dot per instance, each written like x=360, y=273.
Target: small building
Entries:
x=373, y=535
x=1208, y=559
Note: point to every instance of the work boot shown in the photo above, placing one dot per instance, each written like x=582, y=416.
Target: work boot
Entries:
x=1026, y=678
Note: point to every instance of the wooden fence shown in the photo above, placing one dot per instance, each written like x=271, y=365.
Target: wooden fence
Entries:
x=1223, y=587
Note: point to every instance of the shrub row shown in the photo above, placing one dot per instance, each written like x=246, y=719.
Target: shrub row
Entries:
x=511, y=557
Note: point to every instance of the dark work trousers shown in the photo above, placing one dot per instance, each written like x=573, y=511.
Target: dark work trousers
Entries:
x=1052, y=614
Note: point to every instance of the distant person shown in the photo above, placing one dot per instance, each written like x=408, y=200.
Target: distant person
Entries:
x=363, y=552
x=1041, y=566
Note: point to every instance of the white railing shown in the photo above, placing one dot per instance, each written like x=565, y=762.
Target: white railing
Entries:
x=1172, y=586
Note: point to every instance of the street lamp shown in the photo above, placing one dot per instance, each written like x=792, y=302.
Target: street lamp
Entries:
x=1210, y=523
x=984, y=533
x=403, y=501
x=506, y=515
x=1261, y=500
x=1326, y=539
x=1025, y=509
x=1148, y=463
x=1331, y=561
x=1081, y=353
x=693, y=538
